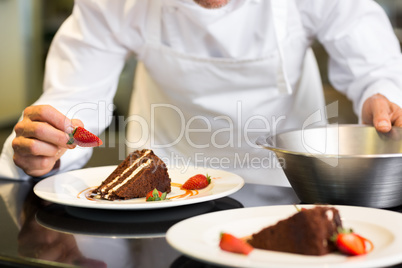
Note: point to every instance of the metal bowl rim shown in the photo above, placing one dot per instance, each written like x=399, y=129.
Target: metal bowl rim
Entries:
x=285, y=151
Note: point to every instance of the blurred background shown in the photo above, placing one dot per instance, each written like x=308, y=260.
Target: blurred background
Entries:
x=27, y=29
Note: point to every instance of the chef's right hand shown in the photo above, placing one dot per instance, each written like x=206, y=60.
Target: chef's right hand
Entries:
x=41, y=139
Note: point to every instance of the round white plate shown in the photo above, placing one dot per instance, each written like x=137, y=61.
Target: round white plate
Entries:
x=70, y=188
x=198, y=237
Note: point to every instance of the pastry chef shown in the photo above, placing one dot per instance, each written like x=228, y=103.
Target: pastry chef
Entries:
x=212, y=76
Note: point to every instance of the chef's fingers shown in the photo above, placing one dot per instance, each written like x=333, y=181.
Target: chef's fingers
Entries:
x=77, y=123
x=35, y=166
x=396, y=115
x=50, y=115
x=34, y=156
x=380, y=108
x=41, y=131
x=28, y=146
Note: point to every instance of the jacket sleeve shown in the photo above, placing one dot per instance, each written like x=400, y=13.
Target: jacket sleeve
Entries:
x=81, y=74
x=365, y=56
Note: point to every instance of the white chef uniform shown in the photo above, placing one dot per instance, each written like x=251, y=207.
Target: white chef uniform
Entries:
x=213, y=80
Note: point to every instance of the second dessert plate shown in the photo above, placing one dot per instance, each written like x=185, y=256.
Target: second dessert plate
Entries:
x=198, y=237
x=74, y=188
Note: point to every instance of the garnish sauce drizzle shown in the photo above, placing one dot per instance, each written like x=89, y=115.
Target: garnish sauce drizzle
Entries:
x=92, y=197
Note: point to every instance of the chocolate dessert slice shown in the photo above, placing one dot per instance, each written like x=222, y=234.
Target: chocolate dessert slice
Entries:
x=307, y=232
x=141, y=172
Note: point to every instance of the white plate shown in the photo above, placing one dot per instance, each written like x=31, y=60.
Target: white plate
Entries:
x=198, y=237
x=70, y=188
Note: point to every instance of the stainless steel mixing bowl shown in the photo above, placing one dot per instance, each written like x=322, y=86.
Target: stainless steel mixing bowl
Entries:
x=341, y=164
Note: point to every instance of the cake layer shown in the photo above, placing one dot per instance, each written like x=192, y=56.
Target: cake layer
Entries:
x=307, y=232
x=141, y=172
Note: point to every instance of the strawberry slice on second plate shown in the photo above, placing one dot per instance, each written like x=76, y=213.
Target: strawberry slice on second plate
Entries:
x=351, y=243
x=229, y=242
x=84, y=138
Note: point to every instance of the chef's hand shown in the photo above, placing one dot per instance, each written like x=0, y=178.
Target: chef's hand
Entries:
x=41, y=139
x=380, y=112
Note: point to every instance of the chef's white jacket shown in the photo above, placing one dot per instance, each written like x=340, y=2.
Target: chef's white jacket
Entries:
x=89, y=51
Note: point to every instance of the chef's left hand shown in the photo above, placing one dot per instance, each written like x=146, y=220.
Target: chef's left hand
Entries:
x=380, y=112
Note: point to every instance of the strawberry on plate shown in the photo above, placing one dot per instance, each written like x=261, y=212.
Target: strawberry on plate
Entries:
x=155, y=195
x=197, y=182
x=233, y=244
x=82, y=137
x=351, y=243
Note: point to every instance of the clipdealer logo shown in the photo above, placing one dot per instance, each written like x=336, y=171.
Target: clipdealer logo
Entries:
x=325, y=146
x=238, y=130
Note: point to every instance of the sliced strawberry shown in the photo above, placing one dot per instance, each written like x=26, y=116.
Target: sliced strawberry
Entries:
x=233, y=244
x=155, y=195
x=197, y=182
x=84, y=138
x=351, y=243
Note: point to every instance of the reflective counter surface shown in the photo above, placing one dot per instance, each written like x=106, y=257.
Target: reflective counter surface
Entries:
x=36, y=233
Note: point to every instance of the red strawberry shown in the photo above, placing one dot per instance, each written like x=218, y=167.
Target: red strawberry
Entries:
x=233, y=244
x=84, y=138
x=197, y=182
x=155, y=195
x=351, y=243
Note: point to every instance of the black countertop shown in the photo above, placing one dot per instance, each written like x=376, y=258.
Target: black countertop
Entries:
x=36, y=233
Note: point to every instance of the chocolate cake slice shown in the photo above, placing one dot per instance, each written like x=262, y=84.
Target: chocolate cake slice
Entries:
x=307, y=232
x=141, y=172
